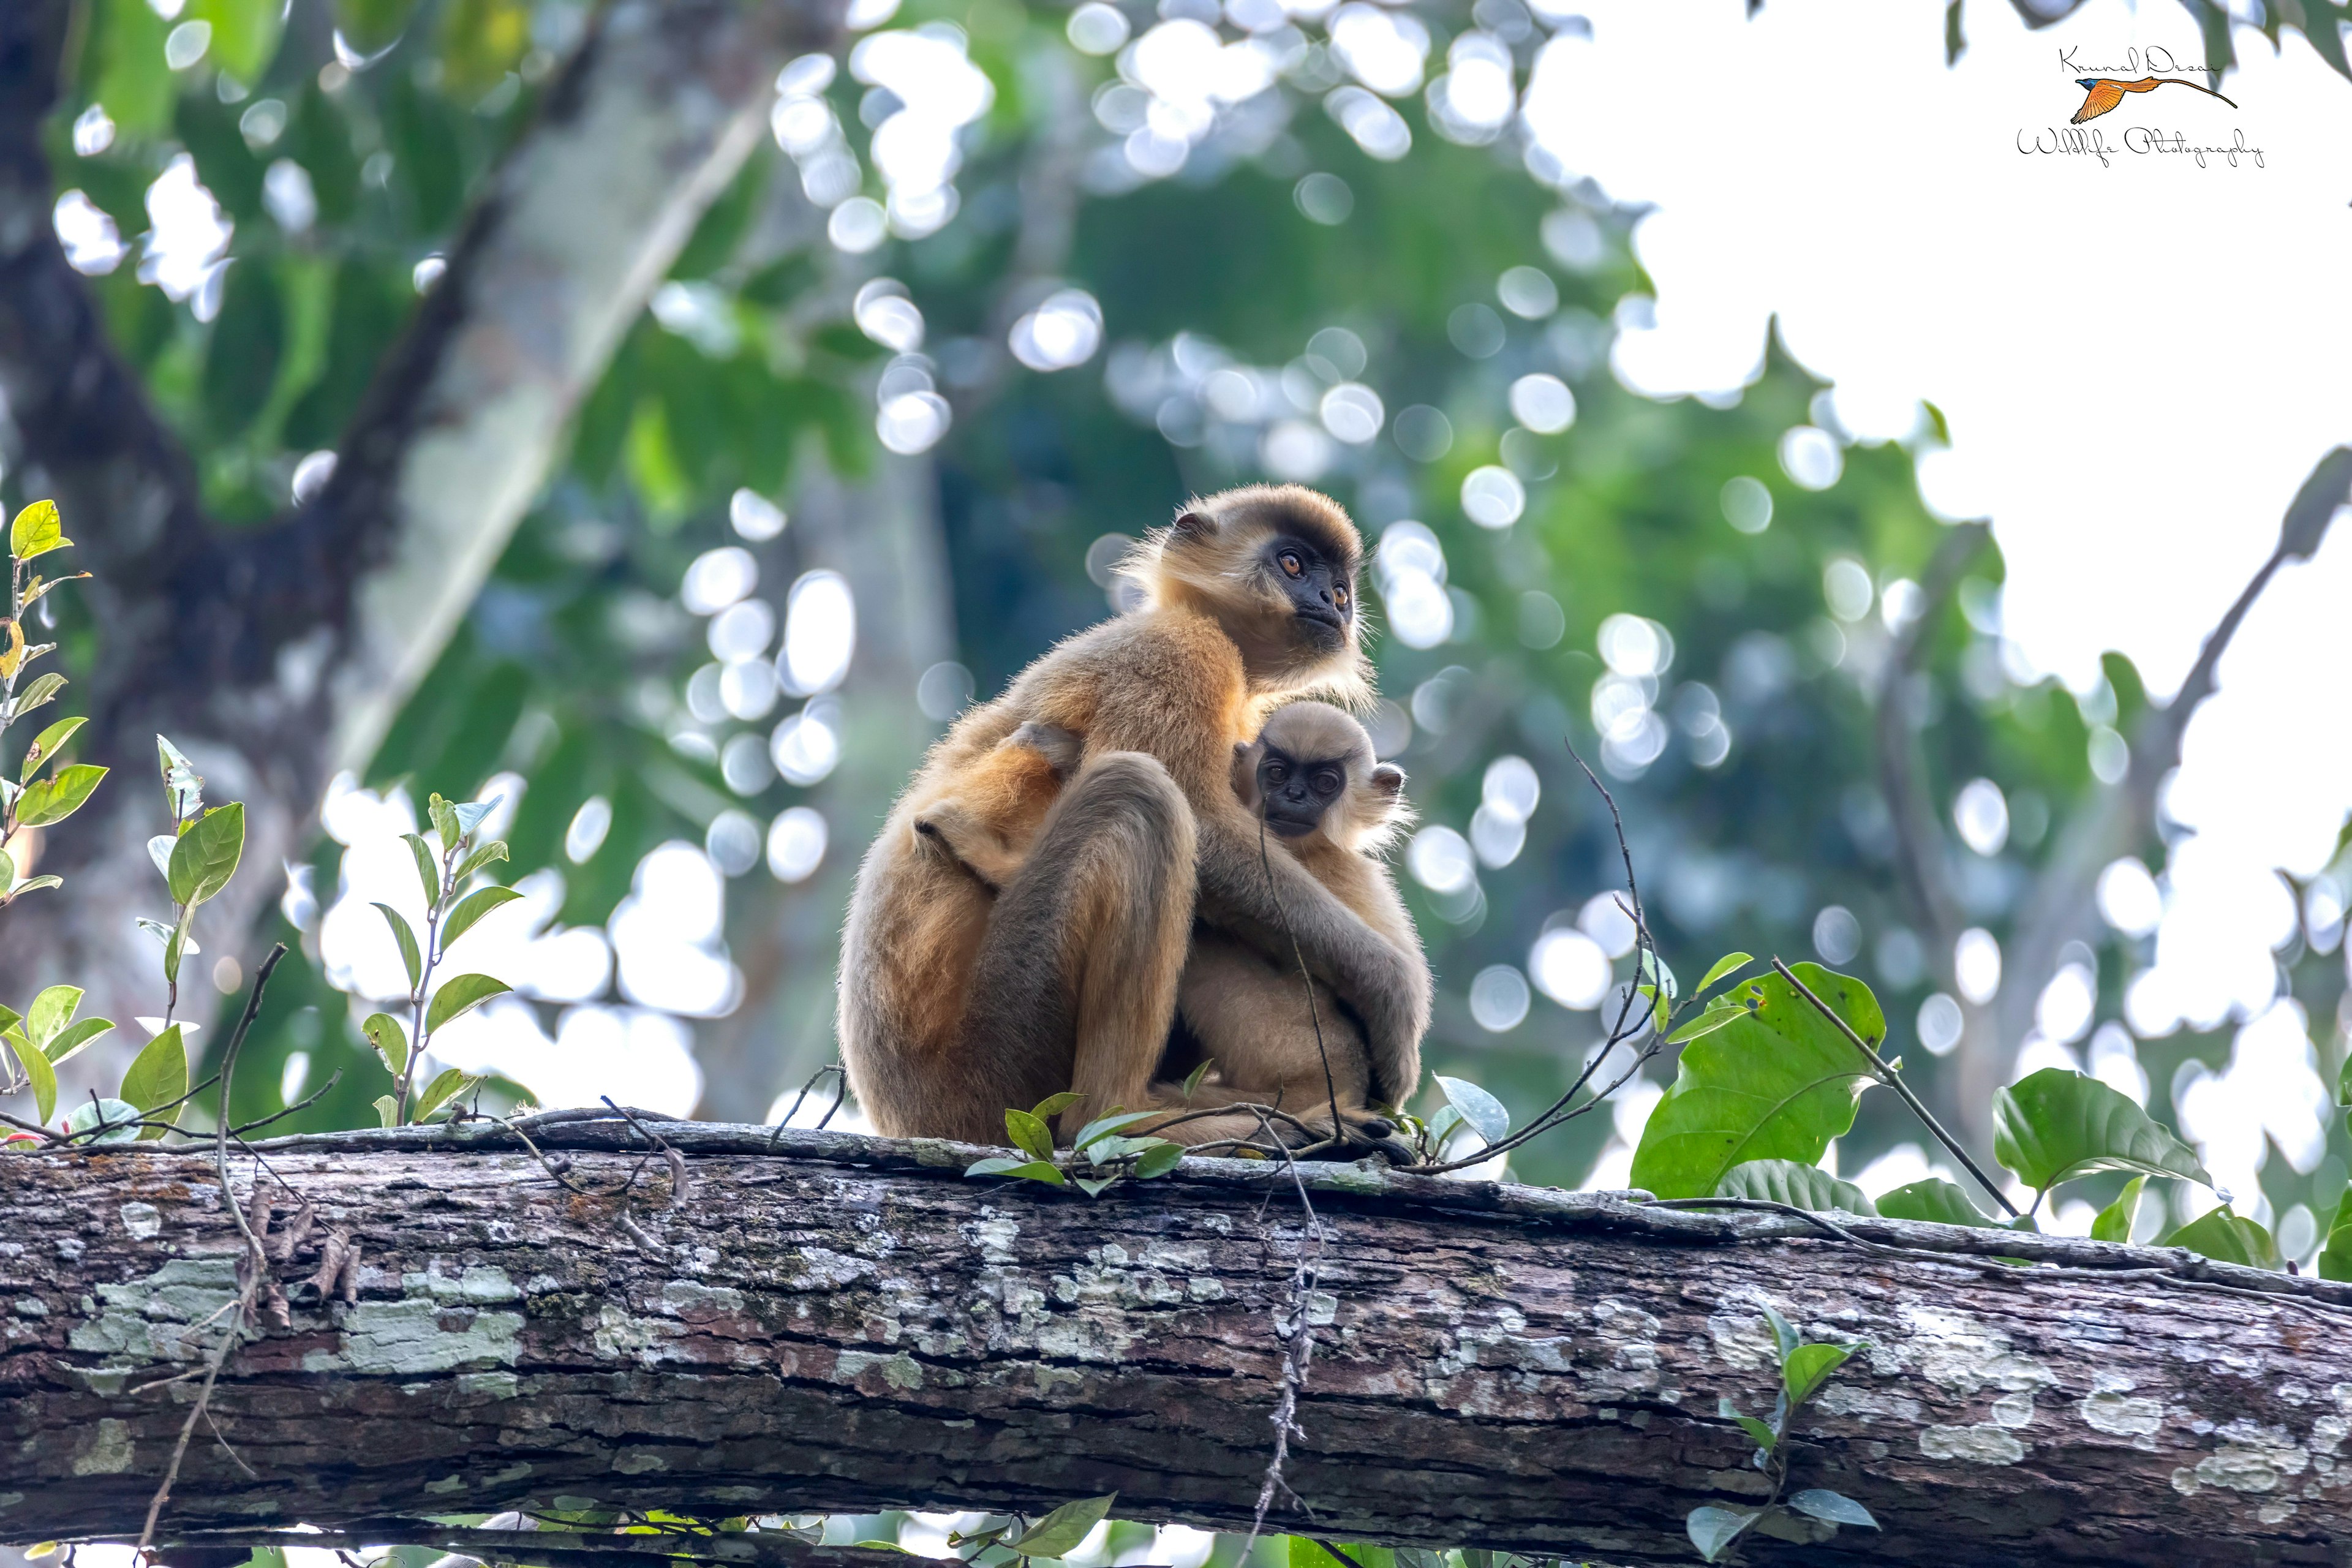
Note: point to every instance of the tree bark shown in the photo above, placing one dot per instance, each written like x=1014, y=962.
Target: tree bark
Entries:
x=276, y=656
x=848, y=1325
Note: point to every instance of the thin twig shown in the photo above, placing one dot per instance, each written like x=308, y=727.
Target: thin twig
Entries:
x=1295, y=1334
x=1306, y=978
x=813, y=1079
x=303, y=1104
x=1887, y=1075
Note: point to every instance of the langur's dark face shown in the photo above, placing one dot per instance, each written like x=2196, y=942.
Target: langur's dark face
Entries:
x=1295, y=793
x=1322, y=590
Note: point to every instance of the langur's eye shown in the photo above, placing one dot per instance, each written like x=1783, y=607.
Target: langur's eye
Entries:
x=1339, y=596
x=1327, y=783
x=1291, y=563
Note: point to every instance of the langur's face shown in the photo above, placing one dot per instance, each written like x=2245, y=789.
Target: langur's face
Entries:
x=1295, y=793
x=1322, y=590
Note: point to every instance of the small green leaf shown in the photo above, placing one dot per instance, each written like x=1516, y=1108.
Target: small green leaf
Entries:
x=387, y=1111
x=472, y=908
x=1483, y=1112
x=158, y=1076
x=1779, y=1083
x=1061, y=1531
x=1758, y=1432
x=1935, y=1199
x=1709, y=1020
x=36, y=693
x=447, y=1085
x=470, y=817
x=1043, y=1171
x=1106, y=1150
x=445, y=822
x=428, y=871
x=1053, y=1105
x=391, y=1041
x=1833, y=1507
x=410, y=958
x=459, y=996
x=479, y=858
x=1162, y=1157
x=74, y=1038
x=44, y=749
x=58, y=796
x=1029, y=1134
x=51, y=1011
x=2227, y=1237
x=1807, y=1367
x=2336, y=1257
x=1786, y=1181
x=37, y=1068
x=1447, y=1119
x=2114, y=1221
x=1192, y=1080
x=1093, y=1185
x=34, y=885
x=37, y=530
x=1784, y=1336
x=177, y=946
x=2055, y=1125
x=1103, y=1127
x=1724, y=965
x=206, y=857
x=115, y=1114
x=1713, y=1530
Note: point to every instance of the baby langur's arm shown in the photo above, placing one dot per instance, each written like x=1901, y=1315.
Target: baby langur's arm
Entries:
x=994, y=850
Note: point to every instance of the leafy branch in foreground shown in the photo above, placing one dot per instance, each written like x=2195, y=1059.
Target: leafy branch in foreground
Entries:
x=1804, y=1369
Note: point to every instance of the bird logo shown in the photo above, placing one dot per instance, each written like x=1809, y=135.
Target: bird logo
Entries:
x=2104, y=94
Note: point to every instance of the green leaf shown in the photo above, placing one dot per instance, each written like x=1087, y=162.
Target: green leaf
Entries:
x=1192, y=1080
x=1758, y=1432
x=410, y=958
x=428, y=871
x=51, y=1011
x=37, y=1068
x=2055, y=1125
x=1106, y=1150
x=1447, y=1119
x=1061, y=1530
x=1029, y=1134
x=459, y=996
x=244, y=34
x=1834, y=1507
x=115, y=1114
x=2114, y=1221
x=391, y=1041
x=1713, y=1530
x=44, y=745
x=1784, y=1334
x=387, y=1111
x=496, y=850
x=1709, y=1020
x=158, y=1076
x=37, y=530
x=472, y=908
x=445, y=822
x=177, y=946
x=1093, y=1185
x=1162, y=1157
x=1481, y=1110
x=1933, y=1199
x=1053, y=1105
x=1786, y=1181
x=1779, y=1083
x=76, y=1038
x=2336, y=1257
x=36, y=692
x=206, y=857
x=1104, y=1126
x=447, y=1085
x=58, y=796
x=470, y=817
x=2227, y=1237
x=1043, y=1171
x=1807, y=1367
x=34, y=885
x=1724, y=965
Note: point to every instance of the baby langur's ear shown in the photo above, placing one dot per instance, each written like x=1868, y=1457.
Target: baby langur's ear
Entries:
x=1195, y=524
x=1245, y=773
x=1388, y=781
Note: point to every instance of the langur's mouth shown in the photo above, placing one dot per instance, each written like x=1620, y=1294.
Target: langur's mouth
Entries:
x=1323, y=616
x=1291, y=827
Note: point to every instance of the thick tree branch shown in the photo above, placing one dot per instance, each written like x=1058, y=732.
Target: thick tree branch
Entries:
x=277, y=655
x=851, y=1325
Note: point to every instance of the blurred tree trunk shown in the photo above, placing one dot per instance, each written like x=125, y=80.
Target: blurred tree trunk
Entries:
x=277, y=656
x=882, y=532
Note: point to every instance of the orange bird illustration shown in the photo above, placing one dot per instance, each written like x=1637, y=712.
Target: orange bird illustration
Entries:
x=2105, y=95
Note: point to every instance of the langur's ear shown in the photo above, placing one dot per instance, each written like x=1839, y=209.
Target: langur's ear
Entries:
x=1245, y=773
x=1195, y=524
x=1388, y=780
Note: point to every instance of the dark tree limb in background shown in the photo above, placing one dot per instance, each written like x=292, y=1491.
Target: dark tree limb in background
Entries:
x=851, y=1325
x=277, y=655
x=2110, y=821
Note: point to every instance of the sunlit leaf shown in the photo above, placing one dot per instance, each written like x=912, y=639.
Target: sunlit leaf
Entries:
x=2336, y=1257
x=447, y=1085
x=1053, y=1105
x=1192, y=1080
x=1103, y=1127
x=51, y=1011
x=37, y=691
x=37, y=1068
x=58, y=796
x=382, y=1031
x=2055, y=1125
x=1029, y=1134
x=1481, y=1111
x=2114, y=1221
x=472, y=908
x=1784, y=1333
x=1713, y=1530
x=428, y=871
x=1777, y=1084
x=1807, y=1367
x=37, y=530
x=1159, y=1159
x=12, y=650
x=1709, y=1020
x=1786, y=1181
x=411, y=959
x=1833, y=1507
x=459, y=996
x=445, y=822
x=493, y=851
x=1061, y=1531
x=206, y=855
x=75, y=1039
x=1933, y=1198
x=2227, y=1237
x=387, y=1111
x=1724, y=965
x=34, y=885
x=183, y=789
x=158, y=1076
x=1043, y=1171
x=470, y=817
x=44, y=745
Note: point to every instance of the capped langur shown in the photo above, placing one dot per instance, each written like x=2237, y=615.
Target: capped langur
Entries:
x=959, y=999
x=1244, y=1013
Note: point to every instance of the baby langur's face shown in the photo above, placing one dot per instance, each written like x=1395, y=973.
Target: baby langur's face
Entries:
x=1294, y=792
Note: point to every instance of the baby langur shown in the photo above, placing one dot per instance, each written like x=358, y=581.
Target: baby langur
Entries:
x=1311, y=777
x=991, y=824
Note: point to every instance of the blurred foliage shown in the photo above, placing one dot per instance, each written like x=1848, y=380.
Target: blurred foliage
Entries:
x=570, y=668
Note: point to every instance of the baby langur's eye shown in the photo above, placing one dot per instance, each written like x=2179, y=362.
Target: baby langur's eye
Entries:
x=1326, y=781
x=1291, y=563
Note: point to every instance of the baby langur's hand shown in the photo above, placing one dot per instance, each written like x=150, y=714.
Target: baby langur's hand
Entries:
x=1373, y=1131
x=1059, y=747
